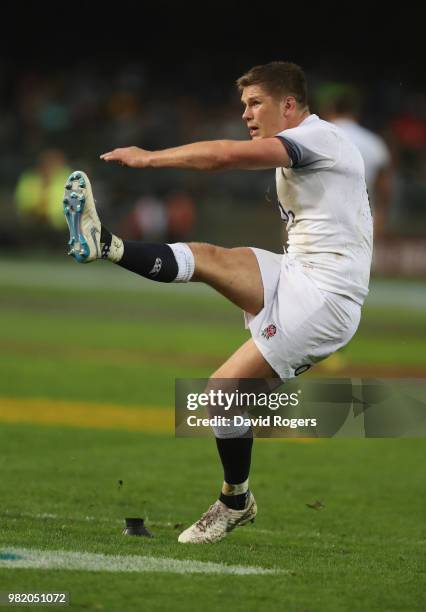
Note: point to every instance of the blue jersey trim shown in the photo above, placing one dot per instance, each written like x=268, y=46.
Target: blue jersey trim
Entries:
x=293, y=150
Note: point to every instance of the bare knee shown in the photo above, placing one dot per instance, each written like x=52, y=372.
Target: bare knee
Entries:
x=210, y=253
x=217, y=386
x=209, y=260
x=205, y=250
x=233, y=272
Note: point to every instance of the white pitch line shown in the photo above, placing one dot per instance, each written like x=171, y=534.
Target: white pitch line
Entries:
x=56, y=517
x=95, y=562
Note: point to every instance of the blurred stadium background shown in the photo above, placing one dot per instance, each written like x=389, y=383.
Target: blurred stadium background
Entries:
x=53, y=121
x=95, y=347
x=49, y=126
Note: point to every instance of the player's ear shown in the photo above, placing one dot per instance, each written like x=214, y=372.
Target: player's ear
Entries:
x=288, y=104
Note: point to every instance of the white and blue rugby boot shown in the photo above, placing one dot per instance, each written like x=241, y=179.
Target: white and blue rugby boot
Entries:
x=88, y=239
x=83, y=221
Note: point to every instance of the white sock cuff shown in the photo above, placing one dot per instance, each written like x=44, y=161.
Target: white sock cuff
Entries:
x=185, y=261
x=236, y=431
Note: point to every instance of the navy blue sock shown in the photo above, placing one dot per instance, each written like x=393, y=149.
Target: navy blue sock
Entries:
x=235, y=455
x=152, y=260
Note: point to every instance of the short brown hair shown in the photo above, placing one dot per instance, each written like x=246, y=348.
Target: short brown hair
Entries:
x=279, y=79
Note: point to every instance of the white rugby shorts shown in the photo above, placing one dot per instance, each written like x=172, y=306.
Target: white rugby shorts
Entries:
x=299, y=324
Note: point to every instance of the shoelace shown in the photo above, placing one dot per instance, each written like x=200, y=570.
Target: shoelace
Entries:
x=209, y=517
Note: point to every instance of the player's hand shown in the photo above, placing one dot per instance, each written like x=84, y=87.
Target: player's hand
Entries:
x=134, y=157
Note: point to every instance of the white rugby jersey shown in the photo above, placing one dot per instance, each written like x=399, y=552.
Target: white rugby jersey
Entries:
x=324, y=200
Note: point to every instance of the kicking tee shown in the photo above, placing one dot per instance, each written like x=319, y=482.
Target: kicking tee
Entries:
x=323, y=199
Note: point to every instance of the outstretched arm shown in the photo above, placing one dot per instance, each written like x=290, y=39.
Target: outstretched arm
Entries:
x=258, y=154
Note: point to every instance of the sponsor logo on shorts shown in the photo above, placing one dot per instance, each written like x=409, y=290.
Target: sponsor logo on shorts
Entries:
x=269, y=331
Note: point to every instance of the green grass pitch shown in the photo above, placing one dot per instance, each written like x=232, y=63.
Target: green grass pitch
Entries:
x=96, y=334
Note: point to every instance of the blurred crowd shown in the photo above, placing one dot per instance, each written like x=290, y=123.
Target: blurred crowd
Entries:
x=52, y=122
